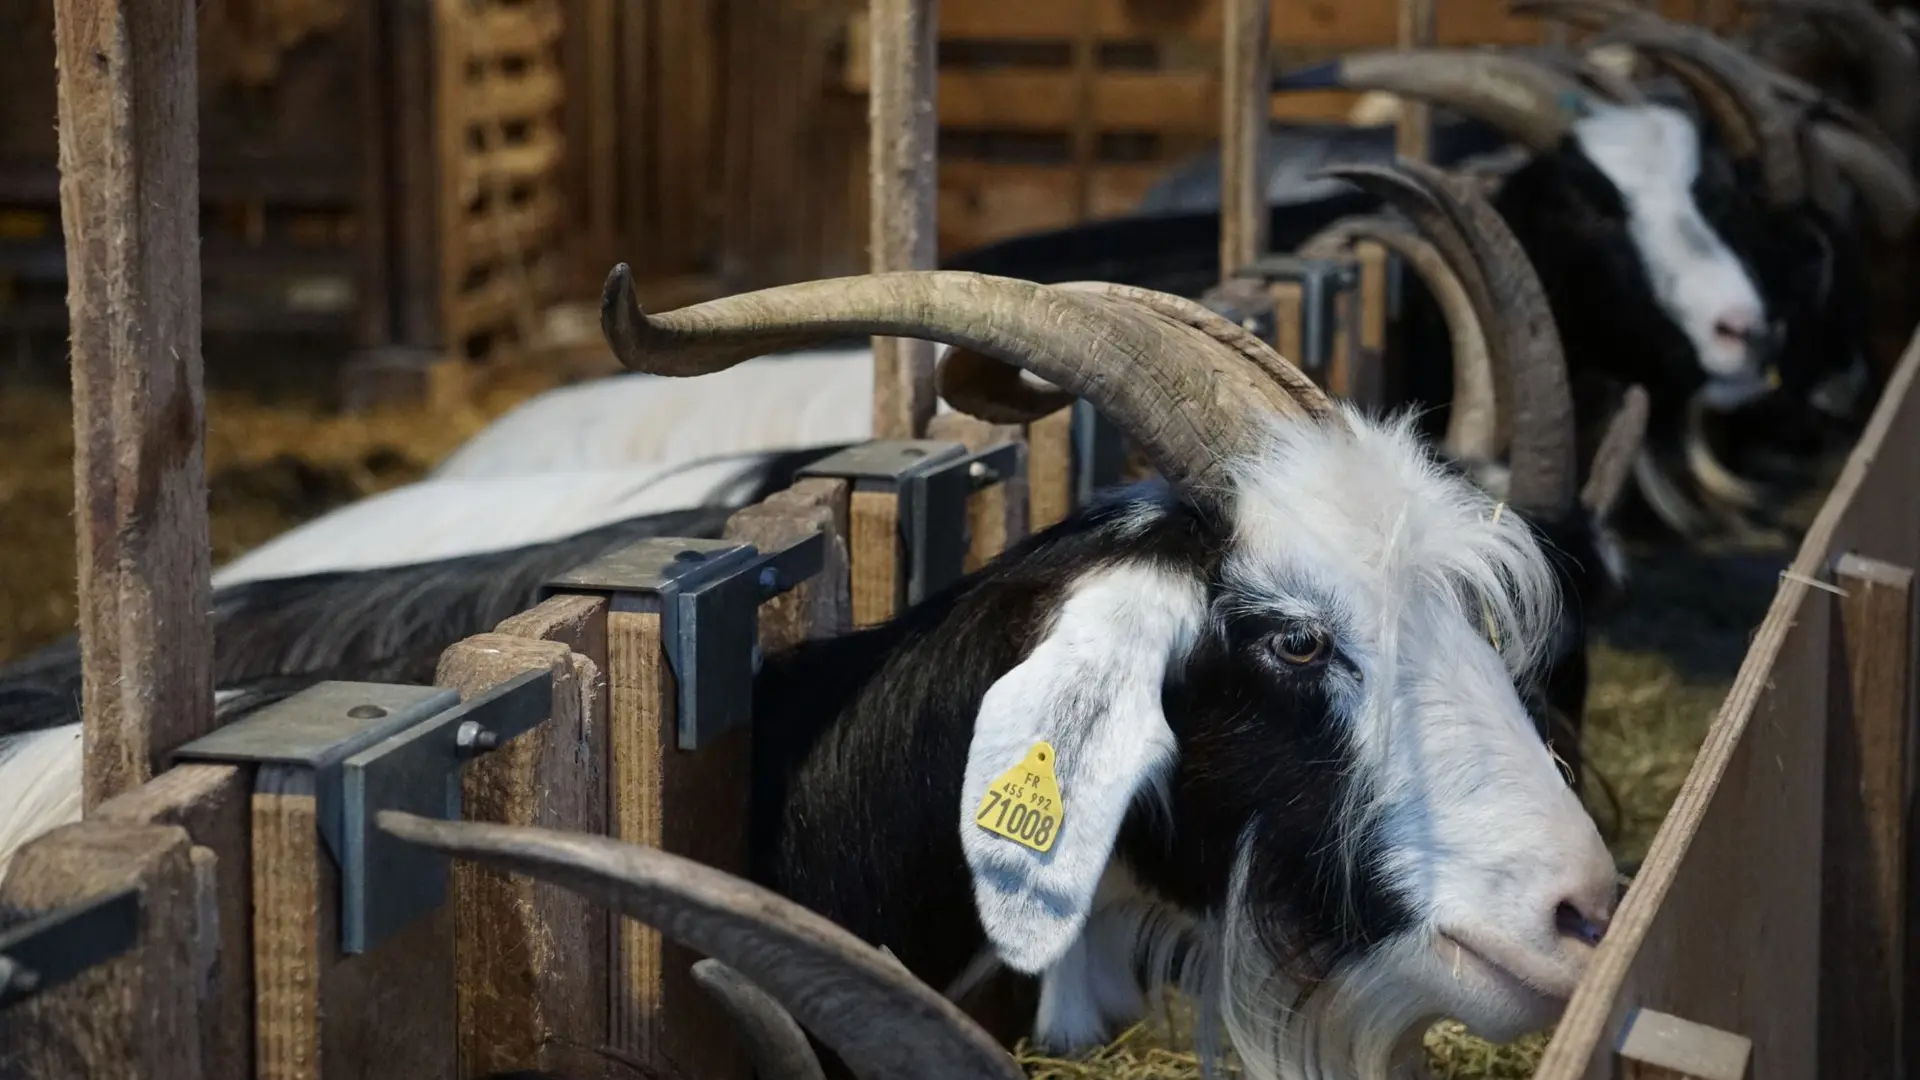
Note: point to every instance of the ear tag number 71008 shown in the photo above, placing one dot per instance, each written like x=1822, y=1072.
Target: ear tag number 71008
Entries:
x=1024, y=805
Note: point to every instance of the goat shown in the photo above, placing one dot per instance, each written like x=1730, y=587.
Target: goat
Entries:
x=1277, y=686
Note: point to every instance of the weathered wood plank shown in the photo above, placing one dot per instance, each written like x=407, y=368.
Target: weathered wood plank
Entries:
x=130, y=207
x=904, y=195
x=1863, y=857
x=878, y=577
x=140, y=1014
x=1245, y=48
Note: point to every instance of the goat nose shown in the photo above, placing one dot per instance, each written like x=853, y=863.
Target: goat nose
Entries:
x=1579, y=925
x=1739, y=324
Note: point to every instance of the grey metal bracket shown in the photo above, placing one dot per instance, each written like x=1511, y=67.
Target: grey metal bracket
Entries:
x=1321, y=281
x=1099, y=452
x=51, y=949
x=373, y=747
x=708, y=594
x=932, y=480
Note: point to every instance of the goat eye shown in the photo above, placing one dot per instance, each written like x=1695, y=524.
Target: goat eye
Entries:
x=1299, y=645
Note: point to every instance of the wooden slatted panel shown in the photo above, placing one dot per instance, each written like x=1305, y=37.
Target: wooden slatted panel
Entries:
x=501, y=148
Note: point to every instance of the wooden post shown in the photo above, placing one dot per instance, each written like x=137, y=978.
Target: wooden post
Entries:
x=1244, y=91
x=1414, y=132
x=1863, y=901
x=1662, y=1047
x=693, y=803
x=1049, y=469
x=531, y=962
x=142, y=1014
x=904, y=178
x=130, y=205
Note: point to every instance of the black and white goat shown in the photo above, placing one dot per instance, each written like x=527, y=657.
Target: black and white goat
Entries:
x=1278, y=688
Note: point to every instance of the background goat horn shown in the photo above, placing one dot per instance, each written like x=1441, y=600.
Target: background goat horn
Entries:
x=1531, y=102
x=1603, y=83
x=1473, y=419
x=883, y=1023
x=1457, y=218
x=1190, y=405
x=776, y=1046
x=1884, y=184
x=1613, y=459
x=1877, y=41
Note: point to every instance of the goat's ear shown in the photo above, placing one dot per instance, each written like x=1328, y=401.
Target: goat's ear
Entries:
x=1090, y=690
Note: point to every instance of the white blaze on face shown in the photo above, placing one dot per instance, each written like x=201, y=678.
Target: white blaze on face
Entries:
x=1651, y=153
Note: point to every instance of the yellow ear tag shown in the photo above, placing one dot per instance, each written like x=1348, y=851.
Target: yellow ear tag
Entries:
x=1024, y=804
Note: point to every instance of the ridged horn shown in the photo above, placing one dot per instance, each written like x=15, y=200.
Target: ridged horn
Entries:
x=1884, y=184
x=1613, y=460
x=1190, y=404
x=776, y=1046
x=883, y=1023
x=1456, y=217
x=1732, y=87
x=1601, y=81
x=1533, y=103
x=1473, y=421
x=982, y=386
x=1878, y=42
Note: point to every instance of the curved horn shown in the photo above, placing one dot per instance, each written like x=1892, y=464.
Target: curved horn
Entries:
x=1712, y=477
x=1473, y=422
x=1732, y=87
x=885, y=1024
x=1884, y=184
x=1613, y=459
x=1191, y=405
x=1602, y=82
x=1530, y=101
x=776, y=1047
x=1877, y=41
x=985, y=387
x=1542, y=455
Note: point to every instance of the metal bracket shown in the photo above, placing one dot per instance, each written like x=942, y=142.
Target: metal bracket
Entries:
x=1321, y=281
x=373, y=747
x=932, y=480
x=708, y=594
x=51, y=949
x=1099, y=452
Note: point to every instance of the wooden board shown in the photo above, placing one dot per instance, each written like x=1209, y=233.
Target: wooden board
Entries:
x=997, y=513
x=531, y=959
x=142, y=1014
x=1737, y=859
x=129, y=203
x=902, y=42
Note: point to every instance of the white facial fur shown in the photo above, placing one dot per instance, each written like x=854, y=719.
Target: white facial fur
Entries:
x=1363, y=532
x=1651, y=153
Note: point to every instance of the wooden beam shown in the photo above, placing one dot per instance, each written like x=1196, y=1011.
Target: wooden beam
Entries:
x=1049, y=469
x=1863, y=855
x=1418, y=29
x=141, y=1014
x=997, y=513
x=130, y=205
x=1243, y=129
x=530, y=962
x=904, y=191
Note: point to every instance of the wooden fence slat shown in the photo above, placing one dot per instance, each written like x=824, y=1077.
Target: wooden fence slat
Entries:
x=140, y=1014
x=904, y=195
x=1662, y=1047
x=1863, y=861
x=997, y=513
x=130, y=207
x=1049, y=469
x=1418, y=28
x=211, y=802
x=387, y=1014
x=1245, y=51
x=530, y=960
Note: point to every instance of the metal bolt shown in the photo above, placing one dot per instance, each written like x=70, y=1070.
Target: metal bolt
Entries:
x=982, y=474
x=366, y=712
x=769, y=580
x=912, y=452
x=473, y=738
x=758, y=659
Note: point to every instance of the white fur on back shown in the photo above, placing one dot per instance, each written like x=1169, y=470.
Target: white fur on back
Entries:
x=439, y=519
x=39, y=786
x=1652, y=155
x=782, y=402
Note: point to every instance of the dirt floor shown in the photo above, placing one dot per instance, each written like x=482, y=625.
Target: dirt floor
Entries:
x=1662, y=663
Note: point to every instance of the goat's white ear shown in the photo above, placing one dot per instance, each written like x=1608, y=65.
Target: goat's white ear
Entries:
x=1091, y=690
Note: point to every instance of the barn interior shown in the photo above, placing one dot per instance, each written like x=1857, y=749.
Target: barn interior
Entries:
x=408, y=210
